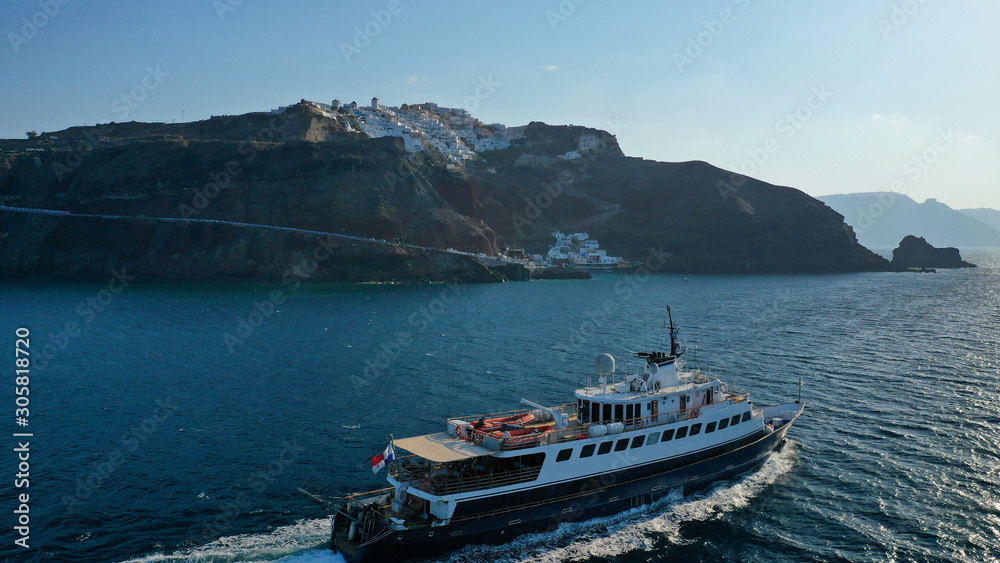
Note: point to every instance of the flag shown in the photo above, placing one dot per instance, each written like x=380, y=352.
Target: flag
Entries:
x=387, y=455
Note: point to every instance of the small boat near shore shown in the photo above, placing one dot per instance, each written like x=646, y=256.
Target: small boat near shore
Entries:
x=490, y=477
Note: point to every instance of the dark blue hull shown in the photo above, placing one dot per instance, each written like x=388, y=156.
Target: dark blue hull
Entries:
x=600, y=496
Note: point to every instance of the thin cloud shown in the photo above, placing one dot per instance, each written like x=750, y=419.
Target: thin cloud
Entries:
x=551, y=67
x=413, y=79
x=893, y=118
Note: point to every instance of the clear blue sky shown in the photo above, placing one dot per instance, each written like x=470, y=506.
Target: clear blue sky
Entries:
x=899, y=79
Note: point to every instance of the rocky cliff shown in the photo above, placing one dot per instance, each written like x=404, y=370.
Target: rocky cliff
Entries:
x=345, y=183
x=306, y=170
x=707, y=219
x=915, y=252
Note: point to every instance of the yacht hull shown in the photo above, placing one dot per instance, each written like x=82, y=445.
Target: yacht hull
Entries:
x=592, y=497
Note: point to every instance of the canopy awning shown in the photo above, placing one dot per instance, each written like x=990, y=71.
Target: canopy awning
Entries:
x=441, y=447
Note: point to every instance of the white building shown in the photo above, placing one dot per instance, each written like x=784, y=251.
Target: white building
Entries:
x=588, y=141
x=453, y=131
x=578, y=250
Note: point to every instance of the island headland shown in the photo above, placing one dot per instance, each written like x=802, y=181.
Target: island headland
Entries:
x=375, y=193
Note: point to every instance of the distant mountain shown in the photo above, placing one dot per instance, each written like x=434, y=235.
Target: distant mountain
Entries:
x=989, y=216
x=882, y=219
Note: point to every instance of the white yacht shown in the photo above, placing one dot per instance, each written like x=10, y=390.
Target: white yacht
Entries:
x=490, y=477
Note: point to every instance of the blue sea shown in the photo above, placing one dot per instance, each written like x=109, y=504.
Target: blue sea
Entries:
x=176, y=422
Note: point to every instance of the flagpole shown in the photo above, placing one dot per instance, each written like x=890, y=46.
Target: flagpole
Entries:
x=392, y=443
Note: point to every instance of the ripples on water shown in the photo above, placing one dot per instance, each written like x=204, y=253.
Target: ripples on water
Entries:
x=895, y=458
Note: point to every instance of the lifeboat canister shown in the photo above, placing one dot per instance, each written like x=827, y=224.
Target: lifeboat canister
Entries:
x=616, y=428
x=597, y=430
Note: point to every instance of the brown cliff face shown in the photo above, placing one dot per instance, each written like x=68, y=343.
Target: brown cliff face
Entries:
x=82, y=248
x=706, y=218
x=714, y=221
x=304, y=169
x=362, y=187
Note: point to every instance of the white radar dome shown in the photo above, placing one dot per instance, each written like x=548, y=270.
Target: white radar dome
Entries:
x=605, y=364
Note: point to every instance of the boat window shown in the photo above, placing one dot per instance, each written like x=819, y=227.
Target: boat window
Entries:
x=708, y=400
x=723, y=424
x=530, y=460
x=710, y=427
x=735, y=420
x=564, y=454
x=668, y=435
x=605, y=448
x=620, y=413
x=682, y=432
x=746, y=416
x=652, y=438
x=629, y=413
x=637, y=441
x=696, y=429
x=595, y=412
x=621, y=445
x=491, y=465
x=587, y=450
x=606, y=413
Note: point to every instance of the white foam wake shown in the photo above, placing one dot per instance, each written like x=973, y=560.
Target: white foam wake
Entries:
x=306, y=541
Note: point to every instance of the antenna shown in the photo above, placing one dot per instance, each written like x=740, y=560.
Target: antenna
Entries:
x=674, y=347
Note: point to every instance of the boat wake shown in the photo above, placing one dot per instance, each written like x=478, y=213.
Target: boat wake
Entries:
x=306, y=541
x=637, y=529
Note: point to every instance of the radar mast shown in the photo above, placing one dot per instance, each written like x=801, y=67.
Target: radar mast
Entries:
x=674, y=346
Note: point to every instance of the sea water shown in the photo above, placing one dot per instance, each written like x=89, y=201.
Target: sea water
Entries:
x=176, y=422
